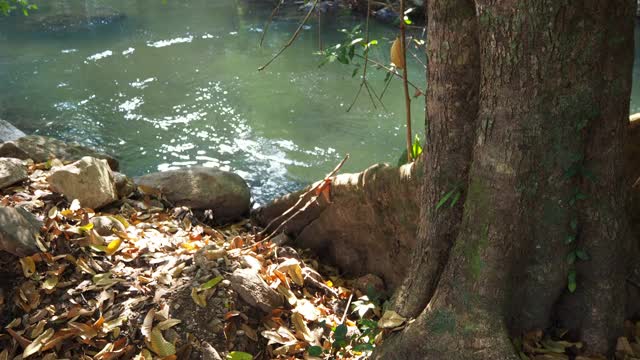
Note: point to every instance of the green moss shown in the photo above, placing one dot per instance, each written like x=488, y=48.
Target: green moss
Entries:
x=442, y=321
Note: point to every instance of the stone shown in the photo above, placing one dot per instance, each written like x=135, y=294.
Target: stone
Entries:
x=11, y=171
x=89, y=180
x=9, y=132
x=124, y=184
x=254, y=290
x=104, y=225
x=370, y=283
x=42, y=148
x=202, y=188
x=209, y=352
x=18, y=231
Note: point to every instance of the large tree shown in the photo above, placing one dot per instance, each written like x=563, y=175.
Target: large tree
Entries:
x=527, y=108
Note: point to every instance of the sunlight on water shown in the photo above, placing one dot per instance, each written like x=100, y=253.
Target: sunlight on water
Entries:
x=165, y=86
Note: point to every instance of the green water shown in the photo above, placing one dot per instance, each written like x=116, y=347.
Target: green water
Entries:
x=176, y=84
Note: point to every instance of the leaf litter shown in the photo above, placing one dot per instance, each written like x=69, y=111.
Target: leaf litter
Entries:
x=159, y=289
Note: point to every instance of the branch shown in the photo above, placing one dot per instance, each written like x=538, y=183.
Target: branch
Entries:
x=266, y=27
x=293, y=37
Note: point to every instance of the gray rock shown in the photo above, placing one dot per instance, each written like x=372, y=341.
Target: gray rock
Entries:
x=89, y=180
x=18, y=231
x=124, y=184
x=9, y=132
x=104, y=225
x=209, y=352
x=254, y=291
x=226, y=193
x=42, y=148
x=11, y=171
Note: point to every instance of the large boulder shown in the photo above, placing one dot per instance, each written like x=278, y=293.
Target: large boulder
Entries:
x=18, y=231
x=202, y=188
x=89, y=180
x=9, y=132
x=42, y=148
x=368, y=227
x=11, y=171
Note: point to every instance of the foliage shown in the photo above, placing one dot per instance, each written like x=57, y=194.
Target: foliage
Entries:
x=8, y=6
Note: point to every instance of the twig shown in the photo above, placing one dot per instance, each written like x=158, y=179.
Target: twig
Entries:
x=363, y=83
x=304, y=207
x=407, y=99
x=391, y=71
x=293, y=37
x=346, y=310
x=266, y=27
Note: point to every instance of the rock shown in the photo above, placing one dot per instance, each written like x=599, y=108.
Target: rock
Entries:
x=9, y=132
x=368, y=228
x=203, y=188
x=209, y=352
x=42, y=148
x=89, y=180
x=104, y=225
x=18, y=231
x=124, y=184
x=370, y=283
x=254, y=291
x=11, y=171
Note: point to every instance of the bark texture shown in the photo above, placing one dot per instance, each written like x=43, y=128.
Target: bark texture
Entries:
x=545, y=185
x=452, y=95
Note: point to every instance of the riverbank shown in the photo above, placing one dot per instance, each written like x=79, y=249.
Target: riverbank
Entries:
x=91, y=267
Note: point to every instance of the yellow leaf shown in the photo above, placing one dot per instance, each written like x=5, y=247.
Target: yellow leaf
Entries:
x=36, y=345
x=50, y=283
x=199, y=299
x=293, y=269
x=390, y=319
x=113, y=246
x=28, y=266
x=86, y=228
x=397, y=56
x=164, y=325
x=160, y=345
x=302, y=330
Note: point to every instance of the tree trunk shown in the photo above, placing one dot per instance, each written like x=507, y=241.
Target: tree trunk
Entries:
x=544, y=190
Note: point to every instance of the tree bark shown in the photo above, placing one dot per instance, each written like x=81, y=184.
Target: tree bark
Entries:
x=545, y=182
x=454, y=82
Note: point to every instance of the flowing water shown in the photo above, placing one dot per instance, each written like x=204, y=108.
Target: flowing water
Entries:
x=172, y=84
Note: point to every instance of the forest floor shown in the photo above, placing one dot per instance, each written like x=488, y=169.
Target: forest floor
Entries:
x=161, y=283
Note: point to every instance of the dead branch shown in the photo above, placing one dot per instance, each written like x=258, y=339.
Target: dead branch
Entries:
x=293, y=37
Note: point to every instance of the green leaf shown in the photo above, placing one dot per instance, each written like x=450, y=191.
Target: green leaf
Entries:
x=571, y=281
x=582, y=255
x=571, y=258
x=407, y=20
x=416, y=148
x=570, y=239
x=86, y=228
x=455, y=199
x=211, y=283
x=363, y=347
x=355, y=72
x=444, y=199
x=341, y=332
x=314, y=351
x=239, y=355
